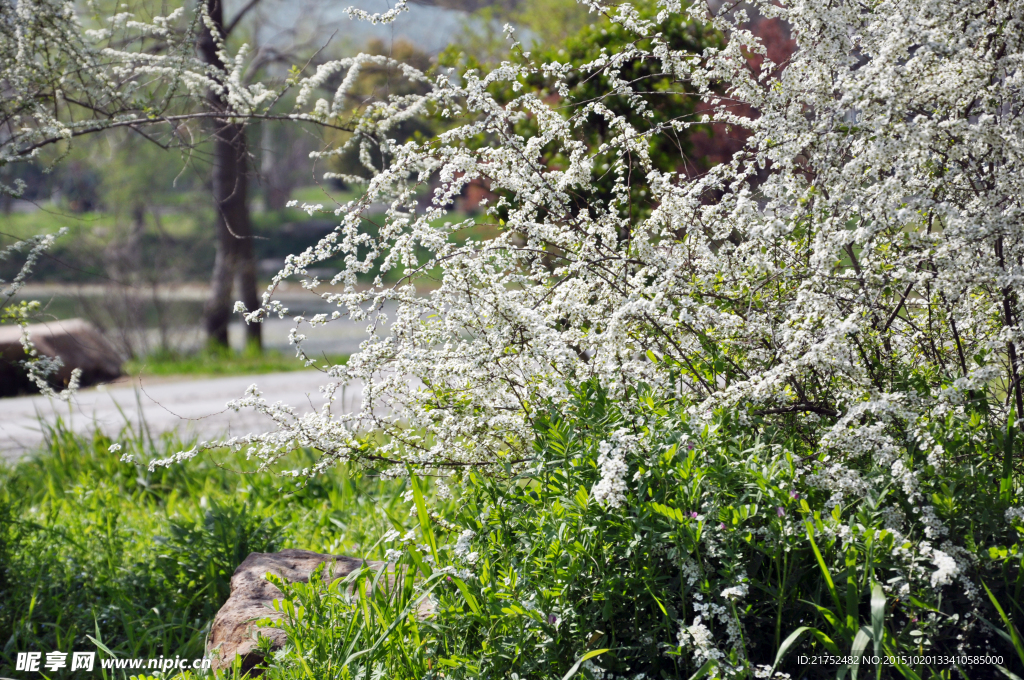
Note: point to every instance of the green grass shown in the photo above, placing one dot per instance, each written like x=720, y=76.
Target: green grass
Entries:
x=100, y=225
x=50, y=220
x=216, y=363
x=91, y=546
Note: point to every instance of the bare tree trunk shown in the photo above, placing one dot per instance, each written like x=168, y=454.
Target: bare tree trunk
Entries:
x=235, y=256
x=6, y=200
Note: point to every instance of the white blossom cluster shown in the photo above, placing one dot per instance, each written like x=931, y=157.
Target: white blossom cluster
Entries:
x=870, y=227
x=463, y=548
x=611, y=461
x=698, y=638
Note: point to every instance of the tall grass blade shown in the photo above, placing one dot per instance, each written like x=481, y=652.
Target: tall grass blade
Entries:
x=579, y=662
x=824, y=568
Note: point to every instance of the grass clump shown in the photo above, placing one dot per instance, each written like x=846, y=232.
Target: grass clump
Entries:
x=96, y=550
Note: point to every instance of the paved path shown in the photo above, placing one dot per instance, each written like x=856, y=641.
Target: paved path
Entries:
x=194, y=407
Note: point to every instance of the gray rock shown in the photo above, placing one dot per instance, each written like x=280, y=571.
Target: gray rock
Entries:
x=251, y=599
x=76, y=342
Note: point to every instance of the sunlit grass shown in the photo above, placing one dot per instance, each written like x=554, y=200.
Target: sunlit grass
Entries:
x=141, y=560
x=222, y=363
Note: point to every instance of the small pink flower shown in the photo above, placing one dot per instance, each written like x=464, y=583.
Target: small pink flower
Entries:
x=693, y=515
x=794, y=495
x=722, y=526
x=552, y=619
x=780, y=512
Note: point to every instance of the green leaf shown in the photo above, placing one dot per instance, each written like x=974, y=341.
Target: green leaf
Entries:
x=923, y=605
x=470, y=599
x=852, y=593
x=828, y=615
x=877, y=616
x=824, y=568
x=708, y=666
x=1012, y=630
x=860, y=645
x=421, y=511
x=1008, y=673
x=998, y=631
x=787, y=644
x=417, y=559
x=672, y=513
x=660, y=605
x=101, y=646
x=579, y=662
x=581, y=497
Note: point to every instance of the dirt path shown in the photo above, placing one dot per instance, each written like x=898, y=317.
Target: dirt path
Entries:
x=194, y=407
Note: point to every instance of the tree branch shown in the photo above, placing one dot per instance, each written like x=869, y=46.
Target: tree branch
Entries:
x=238, y=17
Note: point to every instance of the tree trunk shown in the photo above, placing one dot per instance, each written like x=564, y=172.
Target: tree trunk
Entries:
x=235, y=257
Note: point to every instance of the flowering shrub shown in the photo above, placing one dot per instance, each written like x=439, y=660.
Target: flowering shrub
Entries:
x=720, y=541
x=832, y=318
x=853, y=272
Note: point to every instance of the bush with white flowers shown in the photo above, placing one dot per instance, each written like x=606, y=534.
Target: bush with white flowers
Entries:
x=832, y=318
x=835, y=312
x=853, y=272
x=719, y=553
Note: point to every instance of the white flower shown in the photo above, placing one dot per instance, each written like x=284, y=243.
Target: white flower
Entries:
x=698, y=638
x=765, y=672
x=737, y=592
x=461, y=549
x=946, y=568
x=611, y=489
